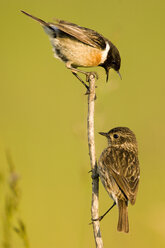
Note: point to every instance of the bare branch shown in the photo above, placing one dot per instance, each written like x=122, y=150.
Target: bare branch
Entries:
x=95, y=178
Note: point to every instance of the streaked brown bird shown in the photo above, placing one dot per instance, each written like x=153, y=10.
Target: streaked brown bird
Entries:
x=80, y=47
x=118, y=168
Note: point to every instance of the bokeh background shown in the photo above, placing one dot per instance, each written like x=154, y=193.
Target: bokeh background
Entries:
x=43, y=114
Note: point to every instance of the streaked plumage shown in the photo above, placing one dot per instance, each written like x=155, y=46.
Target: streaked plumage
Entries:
x=118, y=168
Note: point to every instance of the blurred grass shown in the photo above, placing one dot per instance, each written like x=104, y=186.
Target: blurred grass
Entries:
x=12, y=223
x=43, y=119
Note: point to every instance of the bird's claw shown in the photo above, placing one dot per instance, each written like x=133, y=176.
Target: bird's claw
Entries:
x=88, y=91
x=95, y=175
x=98, y=219
x=91, y=74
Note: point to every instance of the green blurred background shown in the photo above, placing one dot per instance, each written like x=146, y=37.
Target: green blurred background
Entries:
x=43, y=114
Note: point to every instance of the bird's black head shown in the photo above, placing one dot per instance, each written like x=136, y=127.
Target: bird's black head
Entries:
x=113, y=60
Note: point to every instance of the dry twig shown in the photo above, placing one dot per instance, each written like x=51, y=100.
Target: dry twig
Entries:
x=95, y=178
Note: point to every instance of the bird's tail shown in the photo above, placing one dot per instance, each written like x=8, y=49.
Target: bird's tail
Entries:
x=48, y=28
x=123, y=224
x=35, y=18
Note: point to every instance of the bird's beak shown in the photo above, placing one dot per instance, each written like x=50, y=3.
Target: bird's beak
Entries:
x=104, y=134
x=107, y=73
x=119, y=75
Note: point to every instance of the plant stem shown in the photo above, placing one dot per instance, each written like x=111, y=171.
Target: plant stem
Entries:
x=95, y=178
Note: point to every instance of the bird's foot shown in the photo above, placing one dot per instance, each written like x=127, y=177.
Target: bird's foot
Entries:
x=88, y=91
x=98, y=219
x=102, y=216
x=90, y=75
x=95, y=175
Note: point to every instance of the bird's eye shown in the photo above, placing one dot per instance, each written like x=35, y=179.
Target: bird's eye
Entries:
x=116, y=136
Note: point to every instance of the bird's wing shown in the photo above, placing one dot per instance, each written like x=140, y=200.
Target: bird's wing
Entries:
x=124, y=167
x=85, y=35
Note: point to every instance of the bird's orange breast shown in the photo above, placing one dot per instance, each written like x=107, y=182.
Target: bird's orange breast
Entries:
x=77, y=53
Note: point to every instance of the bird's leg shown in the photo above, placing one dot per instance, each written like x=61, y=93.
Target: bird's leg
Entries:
x=101, y=217
x=88, y=74
x=94, y=74
x=86, y=86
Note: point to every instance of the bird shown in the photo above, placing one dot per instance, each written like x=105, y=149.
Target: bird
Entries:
x=119, y=171
x=80, y=47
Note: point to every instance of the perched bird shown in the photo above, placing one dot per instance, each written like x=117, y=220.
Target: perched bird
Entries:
x=80, y=47
x=118, y=168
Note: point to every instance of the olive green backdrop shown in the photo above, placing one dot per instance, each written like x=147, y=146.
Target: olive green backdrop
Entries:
x=43, y=114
